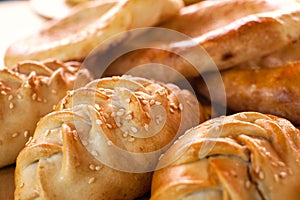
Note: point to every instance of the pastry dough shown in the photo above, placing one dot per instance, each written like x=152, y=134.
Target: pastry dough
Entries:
x=247, y=155
x=103, y=140
x=75, y=36
x=251, y=30
x=267, y=90
x=28, y=92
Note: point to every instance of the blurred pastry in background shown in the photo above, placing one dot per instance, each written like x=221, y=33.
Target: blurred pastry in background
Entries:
x=75, y=36
x=103, y=140
x=28, y=92
x=247, y=155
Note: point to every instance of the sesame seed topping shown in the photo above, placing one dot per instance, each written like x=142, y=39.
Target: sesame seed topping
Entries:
x=281, y=164
x=133, y=129
x=158, y=119
x=127, y=100
x=125, y=134
x=15, y=135
x=21, y=185
x=274, y=164
x=128, y=117
x=11, y=105
x=282, y=174
x=161, y=156
x=243, y=116
x=92, y=167
x=152, y=102
x=148, y=115
x=47, y=132
x=290, y=171
x=3, y=92
x=173, y=105
x=131, y=139
x=34, y=95
x=109, y=125
x=247, y=184
x=109, y=143
x=113, y=114
x=70, y=92
x=26, y=133
x=180, y=106
x=146, y=127
x=53, y=91
x=157, y=103
x=144, y=102
x=161, y=92
x=118, y=124
x=98, y=168
x=92, y=180
x=261, y=175
x=97, y=106
x=171, y=110
x=105, y=115
x=120, y=112
x=98, y=122
x=94, y=153
x=45, y=100
x=19, y=96
x=10, y=97
x=39, y=99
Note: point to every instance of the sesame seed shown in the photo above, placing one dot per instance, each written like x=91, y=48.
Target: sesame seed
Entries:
x=157, y=103
x=47, y=132
x=131, y=139
x=98, y=168
x=158, y=119
x=19, y=96
x=161, y=92
x=45, y=100
x=3, y=92
x=146, y=126
x=109, y=126
x=118, y=124
x=152, y=102
x=115, y=78
x=26, y=133
x=15, y=135
x=148, y=115
x=144, y=102
x=113, y=114
x=125, y=134
x=173, y=105
x=127, y=100
x=247, y=184
x=53, y=91
x=120, y=112
x=109, y=143
x=10, y=97
x=171, y=110
x=33, y=96
x=180, y=106
x=161, y=156
x=70, y=92
x=261, y=175
x=97, y=106
x=105, y=115
x=22, y=185
x=282, y=174
x=290, y=171
x=85, y=143
x=128, y=117
x=281, y=164
x=274, y=164
x=98, y=122
x=92, y=180
x=94, y=153
x=133, y=129
x=11, y=105
x=92, y=167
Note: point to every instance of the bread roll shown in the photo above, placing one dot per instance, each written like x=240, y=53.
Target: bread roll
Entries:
x=75, y=36
x=103, y=140
x=252, y=29
x=268, y=90
x=247, y=155
x=28, y=92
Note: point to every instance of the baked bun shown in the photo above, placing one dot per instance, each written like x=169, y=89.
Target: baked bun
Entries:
x=75, y=36
x=247, y=155
x=272, y=90
x=103, y=140
x=28, y=92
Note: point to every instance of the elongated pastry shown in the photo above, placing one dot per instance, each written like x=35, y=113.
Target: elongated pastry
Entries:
x=230, y=41
x=103, y=140
x=75, y=36
x=267, y=90
x=247, y=155
x=27, y=93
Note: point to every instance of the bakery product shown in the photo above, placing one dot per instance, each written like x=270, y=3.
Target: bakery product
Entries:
x=247, y=155
x=270, y=90
x=28, y=92
x=252, y=29
x=103, y=140
x=87, y=27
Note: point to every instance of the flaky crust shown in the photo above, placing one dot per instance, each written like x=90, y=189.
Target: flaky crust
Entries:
x=267, y=90
x=75, y=36
x=28, y=92
x=103, y=140
x=251, y=30
x=243, y=156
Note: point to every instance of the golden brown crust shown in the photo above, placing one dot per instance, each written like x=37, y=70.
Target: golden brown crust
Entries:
x=75, y=36
x=236, y=39
x=267, y=90
x=28, y=92
x=243, y=156
x=103, y=139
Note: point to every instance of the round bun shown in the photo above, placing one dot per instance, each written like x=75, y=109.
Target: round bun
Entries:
x=247, y=155
x=103, y=140
x=27, y=93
